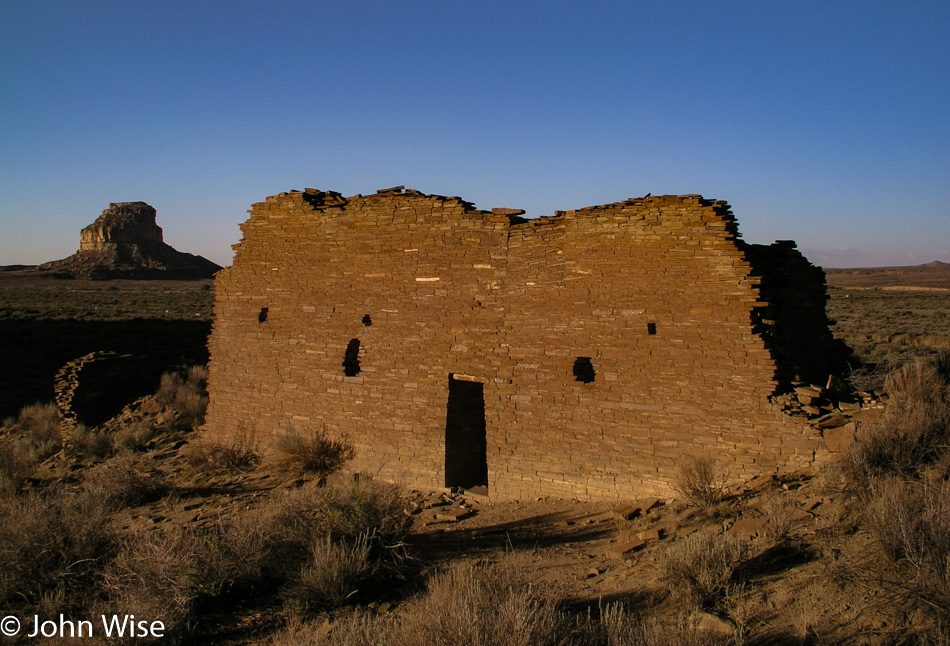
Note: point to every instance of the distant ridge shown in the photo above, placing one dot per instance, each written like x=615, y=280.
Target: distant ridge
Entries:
x=933, y=275
x=126, y=242
x=933, y=264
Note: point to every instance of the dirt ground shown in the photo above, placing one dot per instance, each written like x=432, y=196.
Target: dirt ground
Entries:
x=799, y=585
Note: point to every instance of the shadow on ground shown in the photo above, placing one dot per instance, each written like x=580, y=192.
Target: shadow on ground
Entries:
x=546, y=530
x=32, y=351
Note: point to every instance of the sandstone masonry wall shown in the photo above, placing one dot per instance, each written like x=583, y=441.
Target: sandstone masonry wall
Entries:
x=608, y=342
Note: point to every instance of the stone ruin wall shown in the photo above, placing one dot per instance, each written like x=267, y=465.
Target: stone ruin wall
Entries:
x=657, y=292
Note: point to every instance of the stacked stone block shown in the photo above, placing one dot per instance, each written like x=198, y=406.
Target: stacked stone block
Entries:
x=657, y=293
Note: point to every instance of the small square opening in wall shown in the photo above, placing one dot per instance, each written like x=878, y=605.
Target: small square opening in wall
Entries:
x=584, y=370
x=367, y=321
x=351, y=358
x=651, y=328
x=262, y=315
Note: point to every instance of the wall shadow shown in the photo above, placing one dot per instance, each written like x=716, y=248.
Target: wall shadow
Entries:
x=32, y=351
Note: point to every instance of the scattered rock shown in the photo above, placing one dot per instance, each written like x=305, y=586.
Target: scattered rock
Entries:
x=454, y=515
x=624, y=550
x=707, y=622
x=831, y=420
x=652, y=534
x=625, y=512
x=840, y=438
x=747, y=528
x=758, y=481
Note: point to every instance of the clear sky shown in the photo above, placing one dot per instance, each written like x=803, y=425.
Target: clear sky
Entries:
x=826, y=122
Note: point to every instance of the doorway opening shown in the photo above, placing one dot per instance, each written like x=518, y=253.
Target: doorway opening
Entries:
x=466, y=462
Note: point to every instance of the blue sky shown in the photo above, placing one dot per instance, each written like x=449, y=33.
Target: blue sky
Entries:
x=823, y=122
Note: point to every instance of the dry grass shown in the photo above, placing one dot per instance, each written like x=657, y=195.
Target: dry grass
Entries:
x=52, y=545
x=897, y=472
x=333, y=572
x=94, y=443
x=237, y=456
x=343, y=513
x=699, y=569
x=911, y=523
x=30, y=437
x=885, y=327
x=494, y=604
x=914, y=433
x=185, y=393
x=157, y=574
x=359, y=629
x=313, y=451
x=119, y=484
x=699, y=483
x=782, y=517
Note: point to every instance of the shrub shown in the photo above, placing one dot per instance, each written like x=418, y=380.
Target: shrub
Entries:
x=495, y=604
x=911, y=523
x=914, y=433
x=40, y=423
x=93, y=442
x=299, y=543
x=780, y=518
x=134, y=436
x=344, y=512
x=52, y=544
x=332, y=573
x=699, y=483
x=153, y=576
x=164, y=573
x=17, y=462
x=240, y=455
x=186, y=394
x=245, y=551
x=118, y=484
x=313, y=451
x=348, y=508
x=36, y=435
x=699, y=569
